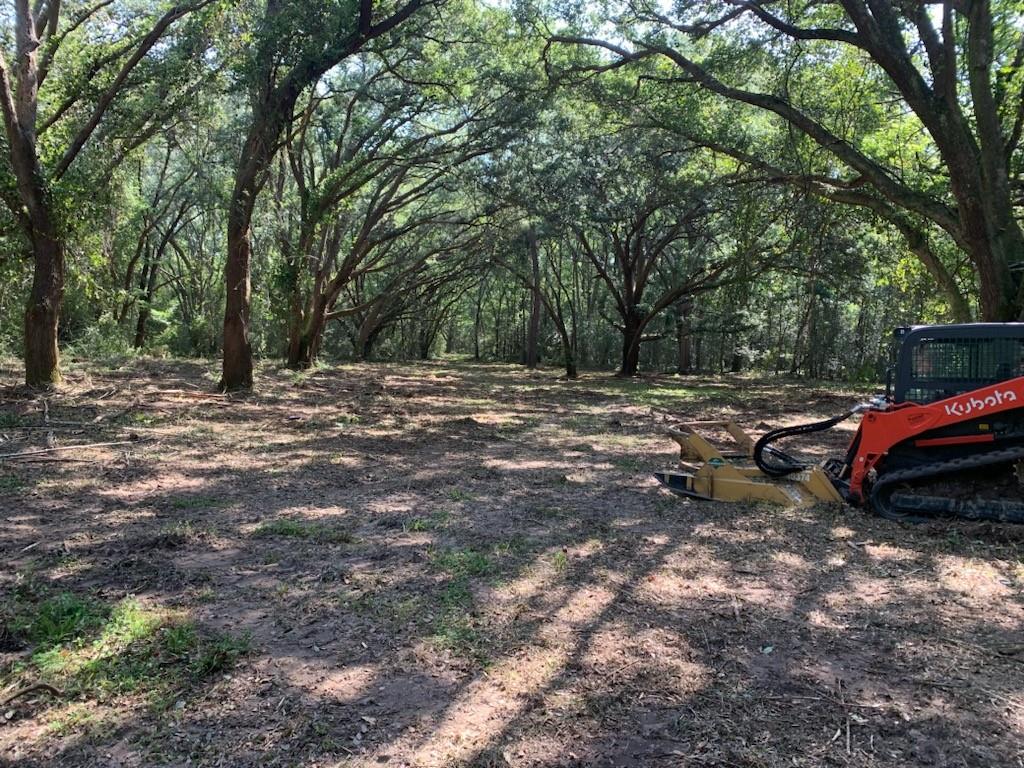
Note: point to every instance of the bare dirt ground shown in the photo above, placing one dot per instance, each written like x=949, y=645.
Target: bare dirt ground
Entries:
x=456, y=565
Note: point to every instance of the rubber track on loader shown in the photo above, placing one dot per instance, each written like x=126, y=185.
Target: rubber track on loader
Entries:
x=901, y=506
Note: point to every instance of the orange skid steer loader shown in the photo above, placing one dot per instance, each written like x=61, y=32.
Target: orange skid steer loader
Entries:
x=946, y=439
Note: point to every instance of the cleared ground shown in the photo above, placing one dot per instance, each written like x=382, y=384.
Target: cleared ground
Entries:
x=457, y=565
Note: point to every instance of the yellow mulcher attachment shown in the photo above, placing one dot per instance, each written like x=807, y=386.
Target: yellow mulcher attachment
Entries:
x=709, y=473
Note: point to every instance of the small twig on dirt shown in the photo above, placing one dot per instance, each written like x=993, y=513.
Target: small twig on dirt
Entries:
x=944, y=686
x=1010, y=649
x=58, y=460
x=624, y=667
x=57, y=423
x=976, y=647
x=797, y=698
x=193, y=395
x=707, y=644
x=52, y=427
x=33, y=545
x=112, y=416
x=1001, y=698
x=848, y=735
x=30, y=689
x=66, y=448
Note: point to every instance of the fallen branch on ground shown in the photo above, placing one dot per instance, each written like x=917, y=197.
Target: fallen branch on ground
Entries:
x=67, y=448
x=31, y=689
x=191, y=395
x=124, y=412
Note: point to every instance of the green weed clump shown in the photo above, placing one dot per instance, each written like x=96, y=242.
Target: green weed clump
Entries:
x=462, y=562
x=97, y=651
x=298, y=529
x=456, y=627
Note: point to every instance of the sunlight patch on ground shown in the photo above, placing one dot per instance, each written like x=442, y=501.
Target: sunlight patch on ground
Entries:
x=970, y=577
x=889, y=553
x=340, y=684
x=790, y=561
x=841, y=532
x=487, y=705
x=826, y=620
x=525, y=465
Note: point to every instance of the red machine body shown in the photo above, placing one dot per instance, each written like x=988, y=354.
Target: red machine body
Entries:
x=882, y=429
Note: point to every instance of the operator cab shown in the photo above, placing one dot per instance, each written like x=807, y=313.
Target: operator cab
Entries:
x=938, y=361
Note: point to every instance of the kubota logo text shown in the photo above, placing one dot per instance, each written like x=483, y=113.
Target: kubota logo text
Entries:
x=974, y=404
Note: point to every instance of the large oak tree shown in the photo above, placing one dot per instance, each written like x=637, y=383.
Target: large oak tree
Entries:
x=953, y=68
x=71, y=66
x=297, y=43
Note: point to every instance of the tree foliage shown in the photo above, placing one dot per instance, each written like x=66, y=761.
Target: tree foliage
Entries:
x=711, y=186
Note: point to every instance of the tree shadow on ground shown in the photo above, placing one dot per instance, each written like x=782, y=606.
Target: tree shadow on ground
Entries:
x=432, y=575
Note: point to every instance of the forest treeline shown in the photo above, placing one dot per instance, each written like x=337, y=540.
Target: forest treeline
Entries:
x=715, y=185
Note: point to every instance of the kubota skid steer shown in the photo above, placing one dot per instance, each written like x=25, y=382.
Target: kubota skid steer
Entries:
x=947, y=439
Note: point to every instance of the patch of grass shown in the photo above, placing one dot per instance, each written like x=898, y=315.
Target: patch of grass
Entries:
x=509, y=547
x=59, y=618
x=455, y=625
x=462, y=562
x=433, y=522
x=560, y=562
x=11, y=482
x=409, y=609
x=632, y=464
x=548, y=512
x=300, y=376
x=8, y=419
x=198, y=432
x=664, y=394
x=206, y=595
x=298, y=529
x=75, y=718
x=96, y=651
x=343, y=420
x=178, y=534
x=218, y=654
x=69, y=562
x=197, y=502
x=180, y=639
x=456, y=595
x=455, y=629
x=364, y=603
x=456, y=632
x=456, y=494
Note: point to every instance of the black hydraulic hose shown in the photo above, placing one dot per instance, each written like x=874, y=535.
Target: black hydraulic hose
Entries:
x=786, y=464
